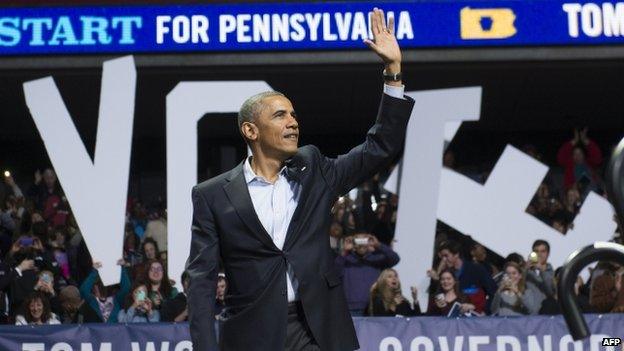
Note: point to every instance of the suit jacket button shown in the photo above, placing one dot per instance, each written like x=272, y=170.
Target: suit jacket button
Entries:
x=283, y=292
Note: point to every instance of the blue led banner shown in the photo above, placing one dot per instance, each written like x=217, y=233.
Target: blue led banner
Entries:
x=305, y=26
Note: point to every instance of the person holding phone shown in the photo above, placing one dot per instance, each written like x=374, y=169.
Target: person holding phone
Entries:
x=139, y=308
x=45, y=284
x=447, y=295
x=514, y=296
x=363, y=259
x=540, y=276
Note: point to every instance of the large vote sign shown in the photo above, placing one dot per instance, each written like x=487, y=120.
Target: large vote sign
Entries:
x=374, y=334
x=305, y=26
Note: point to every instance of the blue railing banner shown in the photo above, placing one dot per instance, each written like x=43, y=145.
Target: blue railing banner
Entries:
x=374, y=334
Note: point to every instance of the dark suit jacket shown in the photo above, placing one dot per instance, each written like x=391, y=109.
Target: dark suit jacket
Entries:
x=225, y=224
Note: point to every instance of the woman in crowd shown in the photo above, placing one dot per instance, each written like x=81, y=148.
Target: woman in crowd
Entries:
x=386, y=298
x=139, y=308
x=158, y=283
x=105, y=304
x=132, y=254
x=45, y=284
x=514, y=297
x=150, y=249
x=36, y=311
x=447, y=295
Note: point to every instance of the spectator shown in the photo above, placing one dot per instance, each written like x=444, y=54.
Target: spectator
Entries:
x=571, y=204
x=44, y=187
x=150, y=249
x=176, y=309
x=138, y=219
x=156, y=230
x=512, y=257
x=45, y=284
x=101, y=300
x=132, y=254
x=384, y=226
x=57, y=248
x=74, y=309
x=540, y=275
x=36, y=311
x=447, y=295
x=386, y=298
x=24, y=278
x=607, y=294
x=550, y=306
x=479, y=255
x=7, y=275
x=139, y=307
x=474, y=280
x=221, y=291
x=158, y=284
x=580, y=157
x=514, y=297
x=363, y=258
x=8, y=217
x=335, y=234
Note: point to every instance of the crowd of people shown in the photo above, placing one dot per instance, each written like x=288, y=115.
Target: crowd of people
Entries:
x=47, y=275
x=466, y=278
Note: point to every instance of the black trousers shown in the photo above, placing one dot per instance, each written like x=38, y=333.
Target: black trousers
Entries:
x=298, y=334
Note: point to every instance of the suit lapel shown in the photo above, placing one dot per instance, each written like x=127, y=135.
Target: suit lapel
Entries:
x=238, y=194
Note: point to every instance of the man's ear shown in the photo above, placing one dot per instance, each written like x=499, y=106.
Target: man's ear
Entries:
x=249, y=131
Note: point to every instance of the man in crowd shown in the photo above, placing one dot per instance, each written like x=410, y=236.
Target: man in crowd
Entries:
x=539, y=272
x=474, y=280
x=364, y=257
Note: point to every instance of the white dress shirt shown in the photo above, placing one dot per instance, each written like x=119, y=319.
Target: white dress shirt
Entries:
x=275, y=203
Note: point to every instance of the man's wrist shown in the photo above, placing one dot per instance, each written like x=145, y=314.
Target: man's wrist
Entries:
x=393, y=67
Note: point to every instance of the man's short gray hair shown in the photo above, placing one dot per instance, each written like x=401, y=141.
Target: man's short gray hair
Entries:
x=252, y=106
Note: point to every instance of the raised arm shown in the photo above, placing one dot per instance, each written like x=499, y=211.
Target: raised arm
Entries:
x=202, y=266
x=385, y=140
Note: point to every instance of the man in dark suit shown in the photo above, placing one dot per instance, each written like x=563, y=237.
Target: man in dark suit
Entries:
x=268, y=219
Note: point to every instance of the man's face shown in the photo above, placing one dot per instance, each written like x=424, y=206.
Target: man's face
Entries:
x=478, y=253
x=360, y=249
x=277, y=130
x=450, y=258
x=542, y=253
